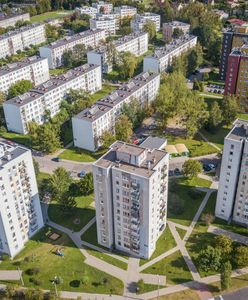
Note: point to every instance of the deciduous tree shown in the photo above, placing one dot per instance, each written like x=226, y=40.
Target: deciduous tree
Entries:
x=191, y=168
x=150, y=28
x=123, y=129
x=210, y=259
x=59, y=183
x=225, y=275
x=241, y=256
x=229, y=107
x=19, y=88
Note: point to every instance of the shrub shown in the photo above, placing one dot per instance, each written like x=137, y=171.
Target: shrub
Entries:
x=32, y=271
x=85, y=279
x=75, y=283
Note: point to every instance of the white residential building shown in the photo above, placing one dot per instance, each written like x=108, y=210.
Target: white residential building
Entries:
x=139, y=21
x=232, y=198
x=103, y=7
x=54, y=51
x=21, y=38
x=34, y=105
x=89, y=125
x=163, y=56
x=7, y=21
x=105, y=22
x=125, y=11
x=168, y=29
x=131, y=191
x=87, y=10
x=135, y=43
x=20, y=211
x=32, y=68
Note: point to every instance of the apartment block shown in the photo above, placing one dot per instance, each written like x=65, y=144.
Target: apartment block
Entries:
x=11, y=20
x=34, y=105
x=131, y=191
x=21, y=38
x=237, y=76
x=20, y=211
x=125, y=11
x=168, y=29
x=163, y=57
x=32, y=68
x=89, y=125
x=54, y=51
x=139, y=21
x=232, y=198
x=103, y=7
x=105, y=22
x=135, y=43
x=232, y=38
x=87, y=10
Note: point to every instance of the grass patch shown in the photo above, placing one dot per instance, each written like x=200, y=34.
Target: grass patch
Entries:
x=106, y=89
x=17, y=138
x=197, y=146
x=40, y=253
x=181, y=232
x=50, y=15
x=80, y=155
x=183, y=201
x=109, y=259
x=217, y=137
x=57, y=71
x=184, y=295
x=83, y=212
x=149, y=288
x=164, y=243
x=41, y=176
x=173, y=267
x=195, y=182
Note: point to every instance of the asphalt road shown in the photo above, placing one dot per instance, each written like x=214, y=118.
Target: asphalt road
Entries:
x=241, y=294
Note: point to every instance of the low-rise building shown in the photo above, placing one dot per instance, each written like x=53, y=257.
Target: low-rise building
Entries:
x=168, y=29
x=89, y=125
x=135, y=43
x=162, y=58
x=54, y=51
x=139, y=21
x=47, y=97
x=103, y=7
x=20, y=211
x=105, y=22
x=125, y=11
x=32, y=68
x=87, y=10
x=6, y=21
x=19, y=39
x=131, y=191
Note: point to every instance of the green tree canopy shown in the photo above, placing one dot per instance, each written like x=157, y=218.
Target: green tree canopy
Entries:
x=59, y=183
x=127, y=63
x=191, y=168
x=225, y=275
x=150, y=28
x=215, y=116
x=19, y=88
x=224, y=243
x=210, y=259
x=123, y=129
x=86, y=185
x=230, y=108
x=241, y=256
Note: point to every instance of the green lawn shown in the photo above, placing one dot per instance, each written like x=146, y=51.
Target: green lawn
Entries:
x=106, y=89
x=181, y=232
x=173, y=267
x=196, y=146
x=83, y=213
x=183, y=201
x=40, y=253
x=16, y=137
x=80, y=155
x=50, y=15
x=195, y=182
x=149, y=288
x=164, y=243
x=41, y=176
x=58, y=71
x=111, y=260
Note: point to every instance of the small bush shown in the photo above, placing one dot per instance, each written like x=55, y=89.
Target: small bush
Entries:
x=37, y=282
x=75, y=283
x=32, y=271
x=85, y=279
x=27, y=259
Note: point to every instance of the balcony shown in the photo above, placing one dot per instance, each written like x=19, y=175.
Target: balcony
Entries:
x=135, y=214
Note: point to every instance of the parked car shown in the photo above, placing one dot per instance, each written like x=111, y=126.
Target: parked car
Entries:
x=171, y=173
x=81, y=174
x=56, y=159
x=177, y=172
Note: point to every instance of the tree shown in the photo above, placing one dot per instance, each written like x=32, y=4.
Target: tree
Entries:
x=134, y=112
x=224, y=243
x=86, y=185
x=140, y=285
x=194, y=58
x=225, y=275
x=107, y=139
x=123, y=129
x=177, y=32
x=67, y=202
x=48, y=138
x=229, y=107
x=53, y=32
x=191, y=168
x=215, y=116
x=59, y=183
x=150, y=28
x=127, y=63
x=210, y=259
x=19, y=88
x=241, y=256
x=207, y=219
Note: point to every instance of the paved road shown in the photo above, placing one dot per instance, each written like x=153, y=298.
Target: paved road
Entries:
x=233, y=236
x=241, y=294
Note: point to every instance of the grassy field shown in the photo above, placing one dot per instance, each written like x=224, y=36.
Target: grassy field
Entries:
x=57, y=71
x=106, y=89
x=40, y=253
x=81, y=155
x=164, y=243
x=196, y=146
x=16, y=137
x=51, y=15
x=183, y=201
x=181, y=232
x=173, y=267
x=83, y=213
x=184, y=295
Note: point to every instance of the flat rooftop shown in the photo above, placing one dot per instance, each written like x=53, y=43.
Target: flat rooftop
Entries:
x=9, y=68
x=176, y=23
x=19, y=30
x=53, y=83
x=163, y=51
x=9, y=151
x=146, y=169
x=154, y=142
x=73, y=38
x=2, y=18
x=239, y=130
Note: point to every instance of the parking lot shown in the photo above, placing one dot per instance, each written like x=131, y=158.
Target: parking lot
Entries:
x=214, y=88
